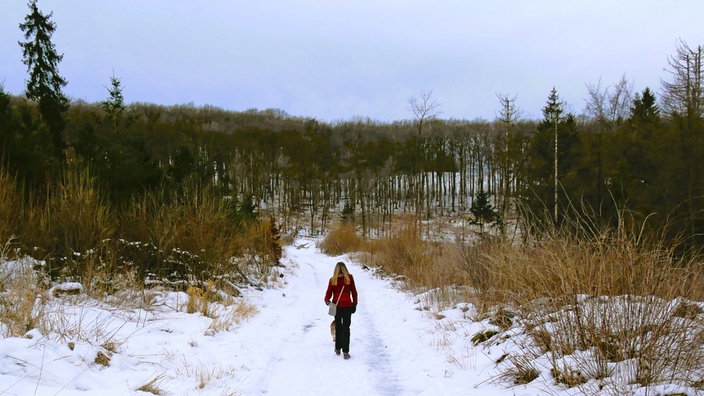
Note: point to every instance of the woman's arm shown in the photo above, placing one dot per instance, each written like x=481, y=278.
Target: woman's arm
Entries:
x=328, y=293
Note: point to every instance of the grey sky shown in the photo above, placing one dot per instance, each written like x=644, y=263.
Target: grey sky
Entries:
x=336, y=60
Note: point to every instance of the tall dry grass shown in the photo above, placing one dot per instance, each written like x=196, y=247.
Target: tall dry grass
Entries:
x=21, y=292
x=191, y=234
x=405, y=253
x=609, y=264
x=342, y=238
x=71, y=220
x=195, y=221
x=196, y=234
x=10, y=206
x=595, y=297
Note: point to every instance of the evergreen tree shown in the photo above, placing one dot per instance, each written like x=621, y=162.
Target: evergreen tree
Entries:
x=645, y=109
x=44, y=84
x=114, y=105
x=483, y=211
x=552, y=165
x=641, y=157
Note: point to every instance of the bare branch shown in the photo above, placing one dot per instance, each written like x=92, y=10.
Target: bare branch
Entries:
x=684, y=93
x=609, y=105
x=423, y=108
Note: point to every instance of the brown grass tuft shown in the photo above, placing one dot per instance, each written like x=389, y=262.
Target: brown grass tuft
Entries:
x=152, y=386
x=343, y=238
x=102, y=359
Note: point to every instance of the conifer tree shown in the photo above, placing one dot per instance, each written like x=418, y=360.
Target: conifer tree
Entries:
x=114, y=105
x=45, y=83
x=645, y=108
x=551, y=158
x=553, y=113
x=483, y=211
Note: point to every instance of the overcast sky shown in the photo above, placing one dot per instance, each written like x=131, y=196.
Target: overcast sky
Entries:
x=337, y=60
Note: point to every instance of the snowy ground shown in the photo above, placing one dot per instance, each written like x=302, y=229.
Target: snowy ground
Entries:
x=397, y=348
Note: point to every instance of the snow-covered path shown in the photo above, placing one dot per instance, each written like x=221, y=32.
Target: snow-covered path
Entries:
x=299, y=358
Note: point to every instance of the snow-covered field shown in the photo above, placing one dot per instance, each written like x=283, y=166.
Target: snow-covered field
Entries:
x=397, y=346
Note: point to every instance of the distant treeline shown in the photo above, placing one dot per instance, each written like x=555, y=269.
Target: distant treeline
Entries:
x=642, y=163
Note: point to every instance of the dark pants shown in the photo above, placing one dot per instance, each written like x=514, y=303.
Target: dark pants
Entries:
x=343, y=319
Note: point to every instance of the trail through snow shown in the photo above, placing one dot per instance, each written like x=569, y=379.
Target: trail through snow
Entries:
x=394, y=345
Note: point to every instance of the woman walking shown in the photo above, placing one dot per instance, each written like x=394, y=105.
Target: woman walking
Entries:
x=342, y=290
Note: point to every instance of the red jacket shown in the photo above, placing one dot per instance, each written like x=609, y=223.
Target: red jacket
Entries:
x=349, y=294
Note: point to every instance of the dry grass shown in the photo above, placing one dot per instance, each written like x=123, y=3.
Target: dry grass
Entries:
x=203, y=375
x=519, y=370
x=566, y=266
x=10, y=206
x=235, y=314
x=405, y=254
x=197, y=301
x=21, y=293
x=74, y=220
x=196, y=228
x=343, y=238
x=72, y=322
x=197, y=222
x=152, y=386
x=177, y=238
x=592, y=300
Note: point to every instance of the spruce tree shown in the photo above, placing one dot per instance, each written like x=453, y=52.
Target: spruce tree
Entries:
x=551, y=162
x=483, y=211
x=44, y=84
x=645, y=108
x=115, y=104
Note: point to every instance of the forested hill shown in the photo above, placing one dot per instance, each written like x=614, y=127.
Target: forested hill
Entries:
x=643, y=162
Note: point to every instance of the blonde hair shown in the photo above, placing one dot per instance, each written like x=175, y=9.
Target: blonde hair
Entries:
x=340, y=268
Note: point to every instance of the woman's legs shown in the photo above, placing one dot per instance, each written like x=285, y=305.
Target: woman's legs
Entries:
x=342, y=329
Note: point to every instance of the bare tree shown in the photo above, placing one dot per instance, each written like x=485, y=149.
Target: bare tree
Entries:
x=683, y=100
x=610, y=105
x=423, y=108
x=684, y=93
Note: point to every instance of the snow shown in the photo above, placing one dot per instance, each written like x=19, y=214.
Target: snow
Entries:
x=398, y=346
